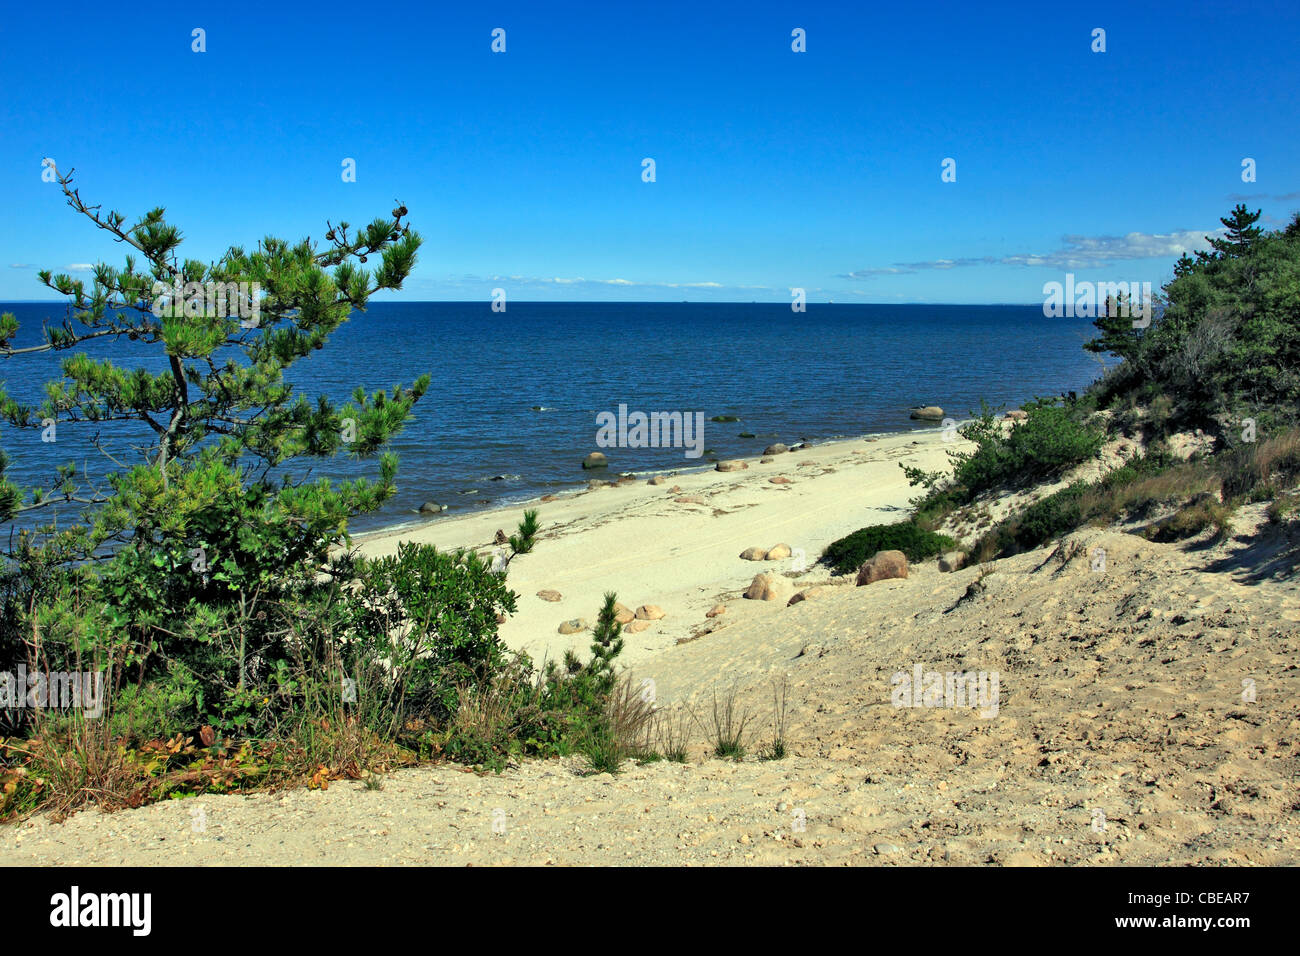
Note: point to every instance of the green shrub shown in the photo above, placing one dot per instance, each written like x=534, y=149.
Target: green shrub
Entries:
x=1043, y=521
x=1050, y=440
x=444, y=605
x=848, y=553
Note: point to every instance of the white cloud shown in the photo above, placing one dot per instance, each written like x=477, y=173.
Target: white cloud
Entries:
x=872, y=273
x=1077, y=252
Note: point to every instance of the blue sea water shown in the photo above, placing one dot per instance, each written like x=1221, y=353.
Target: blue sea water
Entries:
x=476, y=439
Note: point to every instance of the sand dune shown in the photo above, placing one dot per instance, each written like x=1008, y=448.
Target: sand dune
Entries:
x=1145, y=712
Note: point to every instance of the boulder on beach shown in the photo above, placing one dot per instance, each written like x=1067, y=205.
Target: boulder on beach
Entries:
x=777, y=449
x=626, y=479
x=779, y=480
x=622, y=613
x=657, y=480
x=928, y=413
x=809, y=594
x=432, y=508
x=548, y=497
x=885, y=565
x=595, y=460
x=573, y=626
x=770, y=587
x=716, y=611
x=753, y=554
x=649, y=612
x=500, y=537
x=549, y=595
x=778, y=552
x=952, y=561
x=636, y=627
x=734, y=465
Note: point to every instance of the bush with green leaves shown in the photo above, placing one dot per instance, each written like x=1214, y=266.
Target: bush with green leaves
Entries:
x=1045, y=520
x=436, y=614
x=846, y=555
x=1051, y=439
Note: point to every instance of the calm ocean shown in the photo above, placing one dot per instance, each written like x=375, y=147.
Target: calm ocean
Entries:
x=476, y=439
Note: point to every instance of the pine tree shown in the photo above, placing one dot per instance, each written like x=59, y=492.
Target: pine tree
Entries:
x=209, y=511
x=1242, y=232
x=606, y=645
x=1118, y=334
x=218, y=425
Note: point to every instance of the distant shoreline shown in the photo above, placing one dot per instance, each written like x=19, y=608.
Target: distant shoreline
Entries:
x=579, y=487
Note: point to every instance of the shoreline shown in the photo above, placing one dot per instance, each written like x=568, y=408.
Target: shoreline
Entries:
x=416, y=521
x=677, y=545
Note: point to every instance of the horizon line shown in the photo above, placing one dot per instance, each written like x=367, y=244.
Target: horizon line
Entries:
x=488, y=302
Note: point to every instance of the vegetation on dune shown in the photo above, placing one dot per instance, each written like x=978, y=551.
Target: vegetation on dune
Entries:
x=847, y=554
x=1226, y=345
x=1221, y=354
x=212, y=583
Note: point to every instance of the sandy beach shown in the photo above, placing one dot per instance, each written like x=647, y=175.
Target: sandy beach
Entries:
x=677, y=545
x=1123, y=735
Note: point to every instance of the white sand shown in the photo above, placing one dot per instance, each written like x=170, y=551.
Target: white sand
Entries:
x=637, y=541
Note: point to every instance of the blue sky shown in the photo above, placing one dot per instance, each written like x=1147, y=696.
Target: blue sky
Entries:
x=774, y=169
